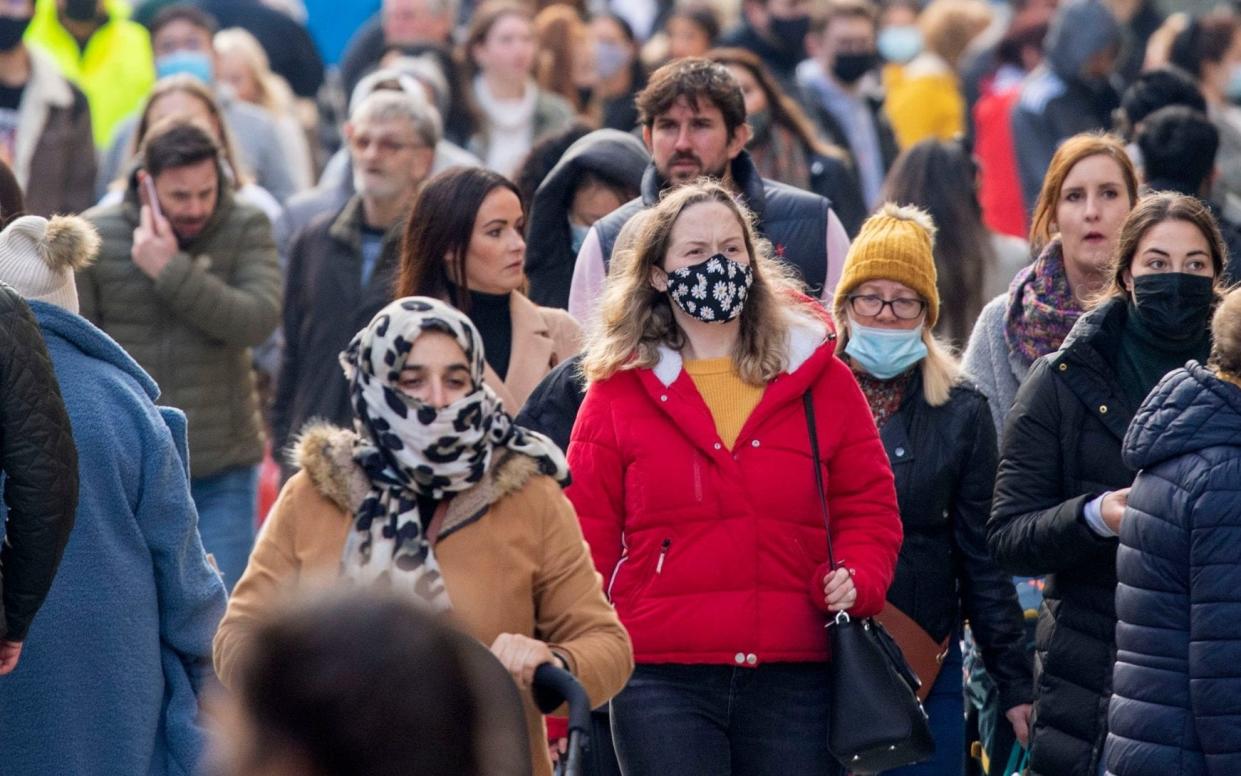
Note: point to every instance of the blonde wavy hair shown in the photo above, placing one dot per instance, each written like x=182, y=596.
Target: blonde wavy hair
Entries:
x=940, y=368
x=635, y=318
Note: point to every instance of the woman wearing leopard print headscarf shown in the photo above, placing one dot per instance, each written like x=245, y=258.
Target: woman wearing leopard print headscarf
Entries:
x=436, y=491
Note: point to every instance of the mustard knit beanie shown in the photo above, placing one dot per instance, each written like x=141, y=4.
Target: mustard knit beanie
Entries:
x=894, y=244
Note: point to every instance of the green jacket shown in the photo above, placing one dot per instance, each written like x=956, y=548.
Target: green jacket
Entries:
x=192, y=327
x=115, y=71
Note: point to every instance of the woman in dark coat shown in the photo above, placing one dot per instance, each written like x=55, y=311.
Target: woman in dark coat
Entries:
x=1061, y=486
x=934, y=427
x=1178, y=638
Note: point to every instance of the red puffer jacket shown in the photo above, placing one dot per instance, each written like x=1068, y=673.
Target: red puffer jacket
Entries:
x=717, y=556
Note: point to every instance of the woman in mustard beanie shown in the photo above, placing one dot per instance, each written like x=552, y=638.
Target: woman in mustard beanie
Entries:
x=936, y=430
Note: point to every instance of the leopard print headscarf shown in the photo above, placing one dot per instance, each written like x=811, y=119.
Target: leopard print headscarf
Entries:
x=408, y=448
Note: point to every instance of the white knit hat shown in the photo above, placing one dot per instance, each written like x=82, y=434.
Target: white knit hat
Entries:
x=38, y=257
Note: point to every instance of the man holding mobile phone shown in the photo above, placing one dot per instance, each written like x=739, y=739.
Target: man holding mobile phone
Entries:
x=187, y=281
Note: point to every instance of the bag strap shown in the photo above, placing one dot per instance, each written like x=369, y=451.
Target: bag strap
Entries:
x=808, y=403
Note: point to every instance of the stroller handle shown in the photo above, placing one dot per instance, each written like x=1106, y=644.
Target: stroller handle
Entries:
x=553, y=686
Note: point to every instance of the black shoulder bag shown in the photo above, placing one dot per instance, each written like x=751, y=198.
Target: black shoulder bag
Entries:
x=876, y=721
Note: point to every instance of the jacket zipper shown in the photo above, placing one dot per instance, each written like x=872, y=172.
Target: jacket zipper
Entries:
x=663, y=553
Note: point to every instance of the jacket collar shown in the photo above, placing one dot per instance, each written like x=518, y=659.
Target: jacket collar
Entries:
x=45, y=91
x=1084, y=362
x=91, y=341
x=805, y=336
x=325, y=453
x=746, y=180
x=346, y=228
x=532, y=348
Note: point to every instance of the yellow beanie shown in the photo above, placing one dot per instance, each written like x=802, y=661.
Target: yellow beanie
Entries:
x=894, y=244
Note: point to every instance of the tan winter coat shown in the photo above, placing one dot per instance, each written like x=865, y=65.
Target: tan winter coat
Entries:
x=510, y=550
x=542, y=338
x=192, y=328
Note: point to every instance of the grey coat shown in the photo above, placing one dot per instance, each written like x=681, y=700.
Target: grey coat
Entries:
x=996, y=371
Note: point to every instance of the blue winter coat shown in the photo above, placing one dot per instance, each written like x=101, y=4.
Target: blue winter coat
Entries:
x=1176, y=695
x=110, y=673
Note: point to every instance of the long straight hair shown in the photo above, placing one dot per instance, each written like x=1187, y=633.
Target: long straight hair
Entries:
x=438, y=233
x=938, y=177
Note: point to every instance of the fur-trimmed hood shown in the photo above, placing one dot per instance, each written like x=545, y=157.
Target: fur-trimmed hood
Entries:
x=325, y=453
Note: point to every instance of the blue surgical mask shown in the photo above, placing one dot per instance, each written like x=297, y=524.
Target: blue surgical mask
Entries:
x=610, y=58
x=195, y=63
x=884, y=353
x=577, y=236
x=1233, y=89
x=900, y=43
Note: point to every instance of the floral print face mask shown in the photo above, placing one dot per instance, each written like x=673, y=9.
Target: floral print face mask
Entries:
x=714, y=290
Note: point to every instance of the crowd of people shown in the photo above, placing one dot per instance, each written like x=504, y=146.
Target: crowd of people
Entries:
x=343, y=384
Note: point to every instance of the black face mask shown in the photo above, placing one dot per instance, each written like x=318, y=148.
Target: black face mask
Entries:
x=11, y=31
x=1175, y=305
x=791, y=33
x=850, y=67
x=81, y=10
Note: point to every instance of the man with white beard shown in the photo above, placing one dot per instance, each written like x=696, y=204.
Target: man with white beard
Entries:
x=341, y=265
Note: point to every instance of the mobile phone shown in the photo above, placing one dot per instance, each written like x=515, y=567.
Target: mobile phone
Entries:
x=152, y=200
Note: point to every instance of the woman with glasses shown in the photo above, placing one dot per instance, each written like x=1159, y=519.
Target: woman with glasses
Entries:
x=934, y=426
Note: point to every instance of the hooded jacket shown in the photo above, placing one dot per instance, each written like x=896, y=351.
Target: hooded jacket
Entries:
x=608, y=153
x=110, y=675
x=1174, y=706
x=192, y=327
x=1056, y=100
x=40, y=466
x=717, y=555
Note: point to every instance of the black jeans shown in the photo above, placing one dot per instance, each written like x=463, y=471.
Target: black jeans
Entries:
x=724, y=721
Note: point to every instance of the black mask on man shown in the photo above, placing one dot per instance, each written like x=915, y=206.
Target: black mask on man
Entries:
x=850, y=67
x=12, y=28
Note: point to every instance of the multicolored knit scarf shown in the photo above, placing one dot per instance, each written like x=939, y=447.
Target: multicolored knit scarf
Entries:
x=1041, y=307
x=884, y=396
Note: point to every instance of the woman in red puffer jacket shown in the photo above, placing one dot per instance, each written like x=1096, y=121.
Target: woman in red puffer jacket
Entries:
x=695, y=487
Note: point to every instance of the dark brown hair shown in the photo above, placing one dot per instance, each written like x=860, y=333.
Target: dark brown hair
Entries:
x=177, y=143
x=309, y=690
x=441, y=226
x=184, y=12
x=1203, y=40
x=695, y=79
x=12, y=203
x=842, y=9
x=1153, y=210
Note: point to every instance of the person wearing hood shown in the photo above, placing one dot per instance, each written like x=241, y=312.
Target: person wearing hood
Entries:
x=1178, y=636
x=1070, y=92
x=188, y=282
x=113, y=666
x=596, y=175
x=1062, y=483
x=776, y=31
x=99, y=49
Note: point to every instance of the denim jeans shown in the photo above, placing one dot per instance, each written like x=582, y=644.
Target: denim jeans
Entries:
x=227, y=502
x=945, y=707
x=709, y=720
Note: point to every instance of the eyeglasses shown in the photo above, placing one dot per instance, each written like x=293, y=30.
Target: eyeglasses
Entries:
x=385, y=146
x=871, y=305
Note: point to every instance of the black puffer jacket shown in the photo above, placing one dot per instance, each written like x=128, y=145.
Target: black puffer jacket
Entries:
x=40, y=465
x=1062, y=448
x=552, y=408
x=944, y=462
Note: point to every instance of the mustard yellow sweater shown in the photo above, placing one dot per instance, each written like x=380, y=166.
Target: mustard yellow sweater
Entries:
x=730, y=399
